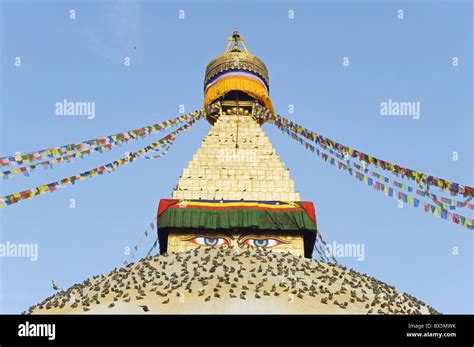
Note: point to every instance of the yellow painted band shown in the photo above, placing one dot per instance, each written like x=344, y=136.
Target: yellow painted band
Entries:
x=227, y=204
x=247, y=85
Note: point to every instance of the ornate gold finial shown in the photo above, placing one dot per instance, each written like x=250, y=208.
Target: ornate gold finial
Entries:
x=237, y=69
x=236, y=57
x=236, y=39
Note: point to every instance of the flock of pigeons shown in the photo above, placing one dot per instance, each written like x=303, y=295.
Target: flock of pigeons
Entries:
x=204, y=279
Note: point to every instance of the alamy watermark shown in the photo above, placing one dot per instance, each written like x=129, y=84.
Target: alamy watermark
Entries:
x=346, y=250
x=400, y=108
x=75, y=108
x=37, y=330
x=237, y=156
x=19, y=250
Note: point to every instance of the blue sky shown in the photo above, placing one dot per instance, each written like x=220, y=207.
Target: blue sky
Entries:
x=82, y=60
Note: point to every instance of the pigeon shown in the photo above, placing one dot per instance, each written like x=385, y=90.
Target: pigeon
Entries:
x=56, y=286
x=144, y=308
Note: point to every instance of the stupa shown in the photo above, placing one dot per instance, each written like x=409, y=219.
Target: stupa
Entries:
x=236, y=190
x=234, y=237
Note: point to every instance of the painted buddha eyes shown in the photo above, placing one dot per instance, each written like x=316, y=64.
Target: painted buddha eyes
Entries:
x=220, y=241
x=266, y=243
x=209, y=241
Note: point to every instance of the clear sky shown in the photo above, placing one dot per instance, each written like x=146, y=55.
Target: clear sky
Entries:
x=407, y=59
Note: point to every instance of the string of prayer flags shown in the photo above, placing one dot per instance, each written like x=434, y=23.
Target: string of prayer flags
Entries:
x=446, y=203
x=163, y=151
x=149, y=230
x=155, y=244
x=443, y=202
x=421, y=178
x=169, y=141
x=323, y=250
x=107, y=168
x=112, y=140
x=26, y=170
x=388, y=190
x=415, y=202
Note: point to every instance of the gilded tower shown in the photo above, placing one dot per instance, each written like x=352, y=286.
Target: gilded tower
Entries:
x=236, y=189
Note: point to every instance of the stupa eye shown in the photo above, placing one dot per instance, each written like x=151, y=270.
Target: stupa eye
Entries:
x=262, y=242
x=209, y=241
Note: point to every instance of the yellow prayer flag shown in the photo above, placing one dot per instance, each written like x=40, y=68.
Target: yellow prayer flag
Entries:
x=468, y=223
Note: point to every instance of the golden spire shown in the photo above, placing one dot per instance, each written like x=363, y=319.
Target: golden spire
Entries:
x=235, y=60
x=236, y=38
